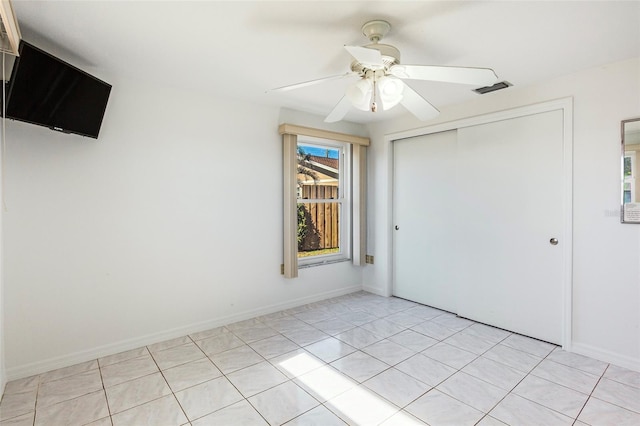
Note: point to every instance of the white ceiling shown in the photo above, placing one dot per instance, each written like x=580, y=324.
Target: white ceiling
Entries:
x=240, y=49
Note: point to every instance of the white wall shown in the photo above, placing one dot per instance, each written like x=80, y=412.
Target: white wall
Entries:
x=171, y=222
x=606, y=263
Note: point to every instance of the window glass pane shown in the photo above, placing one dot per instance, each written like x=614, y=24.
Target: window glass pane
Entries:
x=318, y=172
x=318, y=228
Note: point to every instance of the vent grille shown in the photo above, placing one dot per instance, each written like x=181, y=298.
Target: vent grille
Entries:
x=488, y=89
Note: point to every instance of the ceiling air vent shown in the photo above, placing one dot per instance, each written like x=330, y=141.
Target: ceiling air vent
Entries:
x=497, y=86
x=9, y=29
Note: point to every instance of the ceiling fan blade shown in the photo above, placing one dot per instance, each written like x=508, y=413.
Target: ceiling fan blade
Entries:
x=310, y=83
x=339, y=111
x=417, y=105
x=463, y=75
x=366, y=55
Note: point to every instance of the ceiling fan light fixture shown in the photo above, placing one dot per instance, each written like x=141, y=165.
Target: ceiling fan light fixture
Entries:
x=360, y=94
x=390, y=90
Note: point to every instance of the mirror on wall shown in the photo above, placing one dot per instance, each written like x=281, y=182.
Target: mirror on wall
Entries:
x=631, y=171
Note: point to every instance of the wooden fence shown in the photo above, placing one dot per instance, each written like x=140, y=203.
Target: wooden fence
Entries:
x=322, y=219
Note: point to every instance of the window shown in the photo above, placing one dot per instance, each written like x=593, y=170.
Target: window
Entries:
x=323, y=201
x=324, y=217
x=629, y=177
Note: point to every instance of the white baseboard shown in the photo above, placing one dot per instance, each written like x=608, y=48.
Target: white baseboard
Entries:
x=606, y=356
x=375, y=290
x=125, y=345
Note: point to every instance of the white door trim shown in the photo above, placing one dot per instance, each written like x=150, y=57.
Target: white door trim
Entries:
x=563, y=104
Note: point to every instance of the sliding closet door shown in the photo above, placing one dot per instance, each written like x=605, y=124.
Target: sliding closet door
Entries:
x=424, y=196
x=478, y=214
x=511, y=271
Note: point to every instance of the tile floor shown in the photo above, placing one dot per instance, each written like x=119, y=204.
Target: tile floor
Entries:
x=358, y=359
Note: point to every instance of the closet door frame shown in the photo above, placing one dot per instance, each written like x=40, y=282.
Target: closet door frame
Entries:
x=566, y=106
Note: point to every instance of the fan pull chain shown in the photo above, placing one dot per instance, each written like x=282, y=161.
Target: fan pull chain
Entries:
x=374, y=105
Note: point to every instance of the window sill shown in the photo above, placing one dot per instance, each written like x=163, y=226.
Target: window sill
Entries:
x=323, y=262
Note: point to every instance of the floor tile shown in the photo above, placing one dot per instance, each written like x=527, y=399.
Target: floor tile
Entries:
x=490, y=421
x=566, y=376
x=470, y=343
x=207, y=397
x=622, y=375
x=191, y=374
x=288, y=382
x=551, y=395
x=578, y=361
x=305, y=336
x=319, y=416
x=425, y=369
x=274, y=346
x=315, y=315
x=177, y=355
x=123, y=356
x=402, y=418
x=383, y=328
x=487, y=332
x=619, y=394
x=178, y=341
x=333, y=326
x=515, y=410
x=296, y=363
x=246, y=324
x=413, y=340
x=529, y=345
x=403, y=319
x=360, y=406
x=449, y=355
x=513, y=358
x=81, y=410
x=397, y=387
x=283, y=403
x=325, y=383
x=68, y=388
x=249, y=335
x=358, y=337
x=472, y=391
x=330, y=349
x=17, y=404
x=22, y=385
x=136, y=392
x=357, y=318
x=598, y=412
x=434, y=330
x=101, y=422
x=424, y=312
x=216, y=344
x=257, y=378
x=163, y=411
x=22, y=420
x=453, y=322
x=235, y=359
x=438, y=409
x=238, y=414
x=495, y=373
x=284, y=324
x=388, y=352
x=359, y=366
x=129, y=369
x=68, y=371
x=212, y=332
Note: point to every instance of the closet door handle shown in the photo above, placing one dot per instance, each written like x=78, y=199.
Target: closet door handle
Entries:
x=553, y=241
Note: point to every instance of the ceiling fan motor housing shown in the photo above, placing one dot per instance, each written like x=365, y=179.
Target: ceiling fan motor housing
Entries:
x=390, y=57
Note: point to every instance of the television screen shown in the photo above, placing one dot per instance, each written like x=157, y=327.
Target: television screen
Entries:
x=46, y=91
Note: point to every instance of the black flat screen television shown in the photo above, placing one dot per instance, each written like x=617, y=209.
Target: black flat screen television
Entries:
x=47, y=91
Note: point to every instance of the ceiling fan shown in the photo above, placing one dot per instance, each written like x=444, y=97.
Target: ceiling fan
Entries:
x=381, y=86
